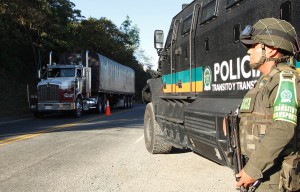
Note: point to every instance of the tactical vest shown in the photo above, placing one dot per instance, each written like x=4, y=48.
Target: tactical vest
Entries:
x=256, y=113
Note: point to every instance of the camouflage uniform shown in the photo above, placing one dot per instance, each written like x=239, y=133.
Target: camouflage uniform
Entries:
x=268, y=113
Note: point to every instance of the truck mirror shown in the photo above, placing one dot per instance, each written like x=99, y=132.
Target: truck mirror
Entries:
x=158, y=39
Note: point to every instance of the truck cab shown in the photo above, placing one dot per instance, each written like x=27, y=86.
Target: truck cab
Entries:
x=62, y=88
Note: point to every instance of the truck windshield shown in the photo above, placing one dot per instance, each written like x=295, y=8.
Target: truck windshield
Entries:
x=61, y=72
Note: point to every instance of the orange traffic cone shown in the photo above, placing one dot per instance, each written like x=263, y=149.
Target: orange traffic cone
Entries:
x=107, y=110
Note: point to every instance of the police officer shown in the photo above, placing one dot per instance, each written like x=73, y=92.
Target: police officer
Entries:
x=268, y=113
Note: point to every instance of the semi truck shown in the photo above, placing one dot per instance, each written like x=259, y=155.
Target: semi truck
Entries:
x=203, y=73
x=82, y=82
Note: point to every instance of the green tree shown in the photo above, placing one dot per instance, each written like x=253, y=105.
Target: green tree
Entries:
x=143, y=58
x=29, y=29
x=131, y=32
x=44, y=23
x=99, y=36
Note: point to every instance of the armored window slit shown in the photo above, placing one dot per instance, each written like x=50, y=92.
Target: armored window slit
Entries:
x=236, y=33
x=207, y=49
x=285, y=11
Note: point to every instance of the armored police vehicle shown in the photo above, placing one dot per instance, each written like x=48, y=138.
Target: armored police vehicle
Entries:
x=204, y=73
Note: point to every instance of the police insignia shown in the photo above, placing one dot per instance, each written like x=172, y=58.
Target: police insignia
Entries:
x=286, y=96
x=285, y=104
x=207, y=78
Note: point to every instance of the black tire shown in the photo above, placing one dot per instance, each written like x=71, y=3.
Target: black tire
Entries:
x=78, y=108
x=152, y=131
x=129, y=102
x=104, y=103
x=125, y=106
x=100, y=106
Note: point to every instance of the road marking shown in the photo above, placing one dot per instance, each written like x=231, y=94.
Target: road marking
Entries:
x=139, y=139
x=34, y=134
x=57, y=127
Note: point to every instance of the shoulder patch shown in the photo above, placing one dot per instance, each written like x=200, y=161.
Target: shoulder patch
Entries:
x=286, y=104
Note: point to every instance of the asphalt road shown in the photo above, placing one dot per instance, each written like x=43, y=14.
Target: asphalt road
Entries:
x=98, y=153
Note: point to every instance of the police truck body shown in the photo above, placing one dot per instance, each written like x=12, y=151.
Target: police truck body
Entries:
x=204, y=73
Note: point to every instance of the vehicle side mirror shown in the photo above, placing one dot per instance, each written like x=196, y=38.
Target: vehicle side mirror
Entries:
x=158, y=39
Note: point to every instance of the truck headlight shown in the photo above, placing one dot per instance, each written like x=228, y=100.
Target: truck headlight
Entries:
x=33, y=107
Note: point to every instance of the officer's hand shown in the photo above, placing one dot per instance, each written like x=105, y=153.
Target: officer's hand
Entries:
x=245, y=179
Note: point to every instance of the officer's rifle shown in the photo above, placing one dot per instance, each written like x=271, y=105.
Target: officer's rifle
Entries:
x=234, y=147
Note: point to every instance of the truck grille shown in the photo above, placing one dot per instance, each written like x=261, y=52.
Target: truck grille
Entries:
x=48, y=92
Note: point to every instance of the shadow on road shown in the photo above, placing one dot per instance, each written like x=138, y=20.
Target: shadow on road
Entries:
x=179, y=151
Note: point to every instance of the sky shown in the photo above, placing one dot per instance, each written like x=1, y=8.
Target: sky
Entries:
x=146, y=15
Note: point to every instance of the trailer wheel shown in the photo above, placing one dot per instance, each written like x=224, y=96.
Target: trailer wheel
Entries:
x=129, y=102
x=78, y=108
x=100, y=106
x=125, y=105
x=104, y=103
x=153, y=135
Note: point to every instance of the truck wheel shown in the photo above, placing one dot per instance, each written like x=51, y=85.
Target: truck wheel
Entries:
x=78, y=108
x=127, y=105
x=125, y=102
x=153, y=135
x=129, y=102
x=104, y=103
x=100, y=106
